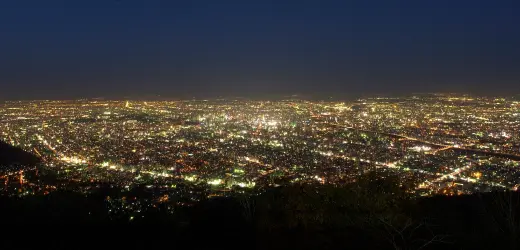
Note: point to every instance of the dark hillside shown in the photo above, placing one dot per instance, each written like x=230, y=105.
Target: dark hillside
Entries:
x=10, y=155
x=372, y=213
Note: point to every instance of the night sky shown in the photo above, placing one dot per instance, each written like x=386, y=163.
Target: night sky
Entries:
x=180, y=49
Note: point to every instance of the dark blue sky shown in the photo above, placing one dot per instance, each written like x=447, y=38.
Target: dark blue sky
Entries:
x=72, y=49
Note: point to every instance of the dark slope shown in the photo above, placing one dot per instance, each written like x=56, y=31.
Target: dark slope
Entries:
x=294, y=217
x=10, y=155
x=372, y=213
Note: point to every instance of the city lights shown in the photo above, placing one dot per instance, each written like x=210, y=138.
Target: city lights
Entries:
x=196, y=149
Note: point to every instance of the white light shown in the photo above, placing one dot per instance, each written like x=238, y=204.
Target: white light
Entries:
x=215, y=182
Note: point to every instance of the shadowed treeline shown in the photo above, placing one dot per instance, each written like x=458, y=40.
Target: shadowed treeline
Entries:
x=374, y=212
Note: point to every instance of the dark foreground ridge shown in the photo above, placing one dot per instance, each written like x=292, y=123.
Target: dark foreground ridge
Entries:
x=372, y=213
x=292, y=217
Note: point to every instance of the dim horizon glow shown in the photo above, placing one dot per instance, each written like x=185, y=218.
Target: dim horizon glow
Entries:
x=145, y=49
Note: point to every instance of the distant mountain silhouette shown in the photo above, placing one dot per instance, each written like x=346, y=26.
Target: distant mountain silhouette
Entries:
x=10, y=155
